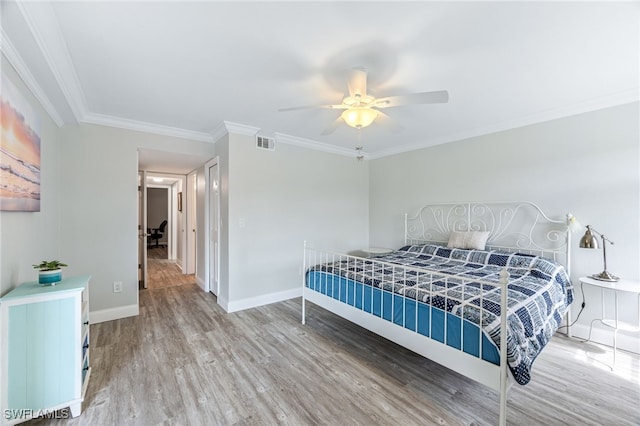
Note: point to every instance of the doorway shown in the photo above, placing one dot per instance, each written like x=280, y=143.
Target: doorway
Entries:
x=165, y=248
x=187, y=229
x=159, y=222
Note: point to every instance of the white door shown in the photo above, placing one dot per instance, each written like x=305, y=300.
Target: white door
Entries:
x=142, y=229
x=214, y=227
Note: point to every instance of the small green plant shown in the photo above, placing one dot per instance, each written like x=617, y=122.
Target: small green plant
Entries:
x=49, y=265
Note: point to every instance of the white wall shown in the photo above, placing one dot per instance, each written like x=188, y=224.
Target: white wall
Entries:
x=588, y=165
x=30, y=237
x=98, y=217
x=275, y=201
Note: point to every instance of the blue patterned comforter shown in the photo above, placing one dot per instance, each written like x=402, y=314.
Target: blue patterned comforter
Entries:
x=540, y=292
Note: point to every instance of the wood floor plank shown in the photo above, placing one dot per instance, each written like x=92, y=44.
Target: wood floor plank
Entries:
x=184, y=361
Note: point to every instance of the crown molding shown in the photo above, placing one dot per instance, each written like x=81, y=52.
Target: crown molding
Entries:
x=590, y=105
x=226, y=127
x=241, y=129
x=317, y=146
x=141, y=126
x=9, y=51
x=219, y=132
x=43, y=24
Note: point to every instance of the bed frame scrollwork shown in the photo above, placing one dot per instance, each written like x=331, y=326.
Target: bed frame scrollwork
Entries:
x=513, y=226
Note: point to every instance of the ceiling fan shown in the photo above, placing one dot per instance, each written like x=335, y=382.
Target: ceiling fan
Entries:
x=361, y=110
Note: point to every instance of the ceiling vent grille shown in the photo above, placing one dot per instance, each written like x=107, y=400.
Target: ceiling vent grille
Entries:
x=265, y=143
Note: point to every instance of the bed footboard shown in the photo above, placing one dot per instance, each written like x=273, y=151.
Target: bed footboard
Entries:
x=378, y=296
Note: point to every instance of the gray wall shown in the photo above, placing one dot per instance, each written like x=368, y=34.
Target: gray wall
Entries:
x=30, y=237
x=284, y=197
x=586, y=164
x=100, y=232
x=222, y=151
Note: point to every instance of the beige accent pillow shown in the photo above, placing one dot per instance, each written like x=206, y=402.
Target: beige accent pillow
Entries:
x=476, y=240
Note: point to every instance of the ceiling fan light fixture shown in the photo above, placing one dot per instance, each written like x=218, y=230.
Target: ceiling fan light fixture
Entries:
x=358, y=100
x=359, y=117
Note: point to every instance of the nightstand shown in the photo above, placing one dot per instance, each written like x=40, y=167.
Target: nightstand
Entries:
x=44, y=357
x=615, y=287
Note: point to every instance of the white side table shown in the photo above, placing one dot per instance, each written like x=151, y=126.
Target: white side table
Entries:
x=376, y=251
x=622, y=285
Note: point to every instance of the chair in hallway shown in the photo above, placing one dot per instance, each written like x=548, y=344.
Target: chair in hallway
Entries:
x=156, y=233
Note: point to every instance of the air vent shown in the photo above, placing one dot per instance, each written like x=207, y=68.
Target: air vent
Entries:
x=265, y=143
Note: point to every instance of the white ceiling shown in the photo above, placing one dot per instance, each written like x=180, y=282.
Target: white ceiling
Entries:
x=185, y=68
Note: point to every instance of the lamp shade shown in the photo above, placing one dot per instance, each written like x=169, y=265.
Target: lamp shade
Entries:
x=359, y=117
x=589, y=240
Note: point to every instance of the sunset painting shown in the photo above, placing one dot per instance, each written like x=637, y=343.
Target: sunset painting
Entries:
x=19, y=153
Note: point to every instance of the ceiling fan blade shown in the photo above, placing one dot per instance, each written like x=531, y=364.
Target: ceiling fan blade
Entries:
x=357, y=82
x=312, y=107
x=438, y=97
x=333, y=126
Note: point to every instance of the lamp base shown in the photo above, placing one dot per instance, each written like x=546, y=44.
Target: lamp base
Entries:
x=605, y=276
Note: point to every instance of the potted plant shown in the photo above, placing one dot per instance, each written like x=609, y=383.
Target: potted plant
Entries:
x=50, y=271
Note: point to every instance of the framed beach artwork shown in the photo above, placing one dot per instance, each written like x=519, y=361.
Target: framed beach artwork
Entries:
x=19, y=152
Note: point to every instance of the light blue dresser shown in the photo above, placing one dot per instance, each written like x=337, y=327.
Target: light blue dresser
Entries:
x=44, y=356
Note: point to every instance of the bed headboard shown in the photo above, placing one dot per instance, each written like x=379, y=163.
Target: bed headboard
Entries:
x=513, y=226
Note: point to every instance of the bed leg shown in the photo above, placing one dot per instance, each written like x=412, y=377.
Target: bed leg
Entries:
x=302, y=272
x=503, y=408
x=504, y=282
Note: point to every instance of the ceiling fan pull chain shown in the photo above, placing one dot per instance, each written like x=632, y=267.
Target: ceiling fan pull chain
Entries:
x=359, y=147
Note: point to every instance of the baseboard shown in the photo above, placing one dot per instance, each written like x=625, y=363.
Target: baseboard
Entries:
x=604, y=336
x=113, y=313
x=265, y=299
x=224, y=304
x=201, y=283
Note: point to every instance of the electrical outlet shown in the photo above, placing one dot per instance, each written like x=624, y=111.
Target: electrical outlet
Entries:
x=117, y=286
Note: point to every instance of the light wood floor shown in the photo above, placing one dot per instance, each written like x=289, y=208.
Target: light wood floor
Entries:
x=162, y=272
x=184, y=361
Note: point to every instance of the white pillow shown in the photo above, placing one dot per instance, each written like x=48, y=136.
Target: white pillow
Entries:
x=477, y=240
x=468, y=240
x=457, y=240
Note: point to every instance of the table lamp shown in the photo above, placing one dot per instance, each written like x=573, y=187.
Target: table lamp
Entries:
x=589, y=240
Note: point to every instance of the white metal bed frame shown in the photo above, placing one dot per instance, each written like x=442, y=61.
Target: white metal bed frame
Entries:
x=513, y=226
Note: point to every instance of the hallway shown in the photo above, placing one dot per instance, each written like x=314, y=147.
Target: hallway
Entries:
x=163, y=272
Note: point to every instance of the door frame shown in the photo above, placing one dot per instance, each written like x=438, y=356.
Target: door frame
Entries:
x=143, y=277
x=170, y=216
x=176, y=221
x=207, y=225
x=190, y=264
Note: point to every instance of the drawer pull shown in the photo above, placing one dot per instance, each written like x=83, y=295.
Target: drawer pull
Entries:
x=86, y=346
x=86, y=323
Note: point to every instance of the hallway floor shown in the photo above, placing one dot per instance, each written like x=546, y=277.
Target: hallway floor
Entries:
x=163, y=272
